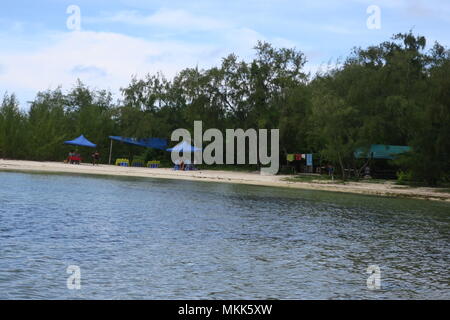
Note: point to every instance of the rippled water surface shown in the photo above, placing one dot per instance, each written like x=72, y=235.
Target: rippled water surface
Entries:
x=167, y=239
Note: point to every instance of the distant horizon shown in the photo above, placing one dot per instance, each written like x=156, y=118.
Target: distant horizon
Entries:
x=121, y=39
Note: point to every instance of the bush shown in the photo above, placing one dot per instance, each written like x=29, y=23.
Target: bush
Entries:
x=404, y=177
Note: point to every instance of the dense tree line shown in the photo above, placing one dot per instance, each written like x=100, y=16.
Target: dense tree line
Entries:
x=395, y=93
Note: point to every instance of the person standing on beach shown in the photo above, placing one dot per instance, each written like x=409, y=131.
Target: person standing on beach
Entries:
x=330, y=169
x=95, y=157
x=70, y=157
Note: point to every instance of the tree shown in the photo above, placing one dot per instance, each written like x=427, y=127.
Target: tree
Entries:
x=394, y=93
x=13, y=130
x=48, y=126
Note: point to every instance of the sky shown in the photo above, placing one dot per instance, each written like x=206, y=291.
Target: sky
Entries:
x=45, y=44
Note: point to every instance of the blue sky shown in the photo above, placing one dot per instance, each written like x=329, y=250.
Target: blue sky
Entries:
x=119, y=39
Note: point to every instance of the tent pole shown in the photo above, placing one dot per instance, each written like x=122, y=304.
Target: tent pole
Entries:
x=110, y=152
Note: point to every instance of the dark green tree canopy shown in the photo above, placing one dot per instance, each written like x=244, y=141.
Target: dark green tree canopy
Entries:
x=396, y=92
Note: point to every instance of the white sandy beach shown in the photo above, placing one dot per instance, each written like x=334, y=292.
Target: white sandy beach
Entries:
x=381, y=189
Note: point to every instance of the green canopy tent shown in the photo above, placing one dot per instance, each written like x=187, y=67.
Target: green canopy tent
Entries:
x=380, y=151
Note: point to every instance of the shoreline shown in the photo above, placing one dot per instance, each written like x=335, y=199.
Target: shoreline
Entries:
x=388, y=189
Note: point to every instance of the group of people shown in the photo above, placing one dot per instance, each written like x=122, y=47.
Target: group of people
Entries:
x=183, y=165
x=75, y=158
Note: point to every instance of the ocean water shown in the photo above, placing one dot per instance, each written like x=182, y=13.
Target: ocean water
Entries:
x=133, y=238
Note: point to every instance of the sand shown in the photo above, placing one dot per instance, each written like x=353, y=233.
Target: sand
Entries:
x=250, y=178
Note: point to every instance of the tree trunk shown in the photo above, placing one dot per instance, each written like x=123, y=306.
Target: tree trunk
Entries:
x=342, y=167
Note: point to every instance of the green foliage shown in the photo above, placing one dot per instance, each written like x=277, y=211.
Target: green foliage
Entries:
x=404, y=177
x=392, y=93
x=13, y=129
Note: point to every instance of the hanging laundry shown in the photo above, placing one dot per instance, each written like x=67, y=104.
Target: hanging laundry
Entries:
x=298, y=156
x=309, y=159
x=290, y=157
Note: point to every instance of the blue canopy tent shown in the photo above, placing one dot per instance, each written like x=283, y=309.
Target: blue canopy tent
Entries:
x=184, y=147
x=81, y=141
x=156, y=143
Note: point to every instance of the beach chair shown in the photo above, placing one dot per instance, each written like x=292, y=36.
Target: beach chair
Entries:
x=122, y=162
x=137, y=163
x=153, y=164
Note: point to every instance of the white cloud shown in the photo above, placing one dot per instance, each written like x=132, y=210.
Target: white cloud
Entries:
x=170, y=19
x=109, y=60
x=85, y=53
x=90, y=71
x=418, y=8
x=338, y=29
x=184, y=38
